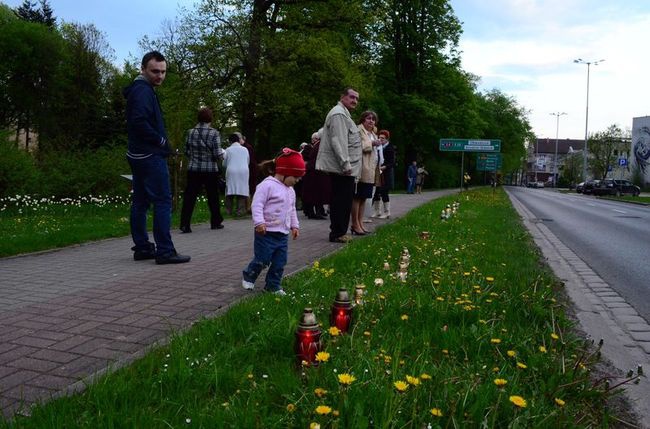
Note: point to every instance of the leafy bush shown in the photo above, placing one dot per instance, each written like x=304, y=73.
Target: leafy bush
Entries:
x=18, y=173
x=83, y=173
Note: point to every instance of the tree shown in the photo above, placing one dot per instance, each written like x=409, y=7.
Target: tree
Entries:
x=572, y=169
x=28, y=12
x=604, y=148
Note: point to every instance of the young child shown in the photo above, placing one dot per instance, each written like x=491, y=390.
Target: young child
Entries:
x=274, y=217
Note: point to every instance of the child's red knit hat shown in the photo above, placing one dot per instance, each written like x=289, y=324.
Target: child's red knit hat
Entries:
x=290, y=163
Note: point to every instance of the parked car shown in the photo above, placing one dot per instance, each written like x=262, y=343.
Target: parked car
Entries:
x=579, y=187
x=535, y=184
x=589, y=186
x=616, y=187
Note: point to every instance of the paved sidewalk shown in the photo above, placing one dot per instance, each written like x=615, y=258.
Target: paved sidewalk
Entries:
x=69, y=314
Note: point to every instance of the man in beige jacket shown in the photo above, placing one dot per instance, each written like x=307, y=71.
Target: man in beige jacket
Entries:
x=340, y=156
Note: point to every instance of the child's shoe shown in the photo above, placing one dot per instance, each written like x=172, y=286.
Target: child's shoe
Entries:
x=280, y=292
x=247, y=285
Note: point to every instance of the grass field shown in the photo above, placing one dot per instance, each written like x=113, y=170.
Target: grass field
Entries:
x=472, y=334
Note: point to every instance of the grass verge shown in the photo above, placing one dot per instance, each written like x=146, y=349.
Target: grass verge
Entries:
x=474, y=337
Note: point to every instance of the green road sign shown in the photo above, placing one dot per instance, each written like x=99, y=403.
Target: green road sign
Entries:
x=470, y=145
x=488, y=161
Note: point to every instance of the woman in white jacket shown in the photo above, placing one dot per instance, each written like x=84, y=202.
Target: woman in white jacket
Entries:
x=235, y=161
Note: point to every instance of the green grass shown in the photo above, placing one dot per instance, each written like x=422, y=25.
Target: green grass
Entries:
x=32, y=225
x=475, y=291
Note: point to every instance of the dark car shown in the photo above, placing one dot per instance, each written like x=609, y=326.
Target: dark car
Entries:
x=579, y=187
x=589, y=186
x=616, y=187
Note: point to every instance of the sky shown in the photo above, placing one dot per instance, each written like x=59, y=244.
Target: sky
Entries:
x=524, y=48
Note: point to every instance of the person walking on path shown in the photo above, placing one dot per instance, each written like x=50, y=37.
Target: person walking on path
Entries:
x=203, y=150
x=419, y=180
x=235, y=161
x=411, y=175
x=148, y=149
x=340, y=156
x=274, y=217
x=366, y=181
x=387, y=159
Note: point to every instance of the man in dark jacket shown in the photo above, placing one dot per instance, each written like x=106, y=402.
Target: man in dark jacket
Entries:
x=147, y=154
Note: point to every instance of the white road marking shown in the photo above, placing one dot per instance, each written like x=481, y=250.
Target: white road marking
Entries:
x=619, y=211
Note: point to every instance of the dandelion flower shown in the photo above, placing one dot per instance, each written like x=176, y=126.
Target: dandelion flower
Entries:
x=401, y=386
x=334, y=331
x=335, y=413
x=559, y=402
x=521, y=365
x=518, y=401
x=489, y=279
x=511, y=353
x=366, y=333
x=323, y=410
x=314, y=425
x=320, y=392
x=346, y=379
x=495, y=341
x=436, y=412
x=542, y=349
x=405, y=317
x=413, y=380
x=322, y=356
x=445, y=351
x=555, y=336
x=425, y=376
x=291, y=408
x=500, y=382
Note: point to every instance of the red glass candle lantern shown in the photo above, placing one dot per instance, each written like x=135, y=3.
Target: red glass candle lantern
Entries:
x=341, y=315
x=308, y=341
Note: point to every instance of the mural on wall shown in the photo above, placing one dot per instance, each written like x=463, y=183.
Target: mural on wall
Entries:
x=641, y=144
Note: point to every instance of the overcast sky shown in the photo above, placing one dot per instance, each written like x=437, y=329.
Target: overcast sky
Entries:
x=525, y=48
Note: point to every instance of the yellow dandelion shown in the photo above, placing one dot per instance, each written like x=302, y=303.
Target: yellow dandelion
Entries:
x=521, y=365
x=291, y=408
x=320, y=392
x=542, y=349
x=495, y=341
x=346, y=379
x=511, y=353
x=322, y=356
x=334, y=331
x=382, y=296
x=500, y=382
x=496, y=369
x=489, y=279
x=314, y=425
x=405, y=317
x=466, y=273
x=559, y=402
x=425, y=376
x=401, y=386
x=413, y=380
x=323, y=410
x=316, y=264
x=335, y=413
x=440, y=298
x=366, y=333
x=445, y=351
x=555, y=336
x=436, y=412
x=518, y=401
x=250, y=376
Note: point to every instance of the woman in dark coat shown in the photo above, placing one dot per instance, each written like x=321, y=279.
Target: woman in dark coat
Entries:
x=387, y=176
x=316, y=188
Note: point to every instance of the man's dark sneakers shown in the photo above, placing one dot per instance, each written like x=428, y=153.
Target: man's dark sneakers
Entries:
x=186, y=229
x=172, y=258
x=143, y=255
x=217, y=226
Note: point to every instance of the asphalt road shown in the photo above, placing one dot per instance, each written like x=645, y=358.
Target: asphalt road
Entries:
x=613, y=238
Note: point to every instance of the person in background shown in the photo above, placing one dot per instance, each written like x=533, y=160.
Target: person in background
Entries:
x=252, y=172
x=411, y=175
x=274, y=218
x=148, y=149
x=387, y=159
x=203, y=150
x=316, y=187
x=419, y=180
x=368, y=166
x=339, y=155
x=236, y=161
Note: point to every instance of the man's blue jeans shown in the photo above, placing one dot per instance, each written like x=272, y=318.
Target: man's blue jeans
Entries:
x=151, y=186
x=270, y=248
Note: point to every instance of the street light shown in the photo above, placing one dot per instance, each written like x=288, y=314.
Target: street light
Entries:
x=589, y=63
x=557, y=132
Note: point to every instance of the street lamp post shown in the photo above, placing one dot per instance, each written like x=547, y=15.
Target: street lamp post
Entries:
x=557, y=132
x=589, y=63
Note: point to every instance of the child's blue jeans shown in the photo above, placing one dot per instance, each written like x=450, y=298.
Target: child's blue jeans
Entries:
x=270, y=249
